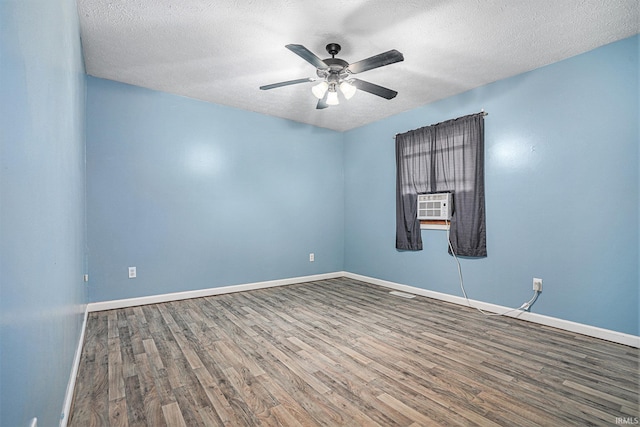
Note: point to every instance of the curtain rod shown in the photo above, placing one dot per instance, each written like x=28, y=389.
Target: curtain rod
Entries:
x=484, y=114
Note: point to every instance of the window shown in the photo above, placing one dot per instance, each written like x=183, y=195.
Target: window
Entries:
x=446, y=157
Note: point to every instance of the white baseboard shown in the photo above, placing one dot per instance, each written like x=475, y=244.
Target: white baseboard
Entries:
x=567, y=325
x=176, y=296
x=68, y=397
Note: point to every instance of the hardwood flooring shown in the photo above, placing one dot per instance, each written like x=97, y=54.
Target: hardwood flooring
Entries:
x=342, y=352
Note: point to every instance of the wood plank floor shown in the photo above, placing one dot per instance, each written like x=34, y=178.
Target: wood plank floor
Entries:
x=343, y=352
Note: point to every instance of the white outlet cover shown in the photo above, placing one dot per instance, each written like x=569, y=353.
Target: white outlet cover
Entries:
x=537, y=284
x=132, y=272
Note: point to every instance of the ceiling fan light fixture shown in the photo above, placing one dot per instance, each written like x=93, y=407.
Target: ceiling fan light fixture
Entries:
x=332, y=97
x=348, y=90
x=320, y=89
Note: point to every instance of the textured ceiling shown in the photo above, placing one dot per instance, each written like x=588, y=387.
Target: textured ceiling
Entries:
x=222, y=51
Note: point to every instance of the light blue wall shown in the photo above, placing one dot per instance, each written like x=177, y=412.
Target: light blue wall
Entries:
x=561, y=192
x=42, y=225
x=197, y=195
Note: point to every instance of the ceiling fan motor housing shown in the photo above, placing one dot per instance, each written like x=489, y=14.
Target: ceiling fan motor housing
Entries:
x=337, y=67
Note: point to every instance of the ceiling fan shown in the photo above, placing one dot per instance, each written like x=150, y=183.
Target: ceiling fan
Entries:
x=335, y=73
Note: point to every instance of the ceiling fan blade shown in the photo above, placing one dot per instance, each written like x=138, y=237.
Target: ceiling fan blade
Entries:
x=386, y=58
x=307, y=55
x=287, y=83
x=322, y=103
x=374, y=89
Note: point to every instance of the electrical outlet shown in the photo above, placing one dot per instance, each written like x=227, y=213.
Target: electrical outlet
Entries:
x=132, y=272
x=312, y=257
x=85, y=277
x=537, y=284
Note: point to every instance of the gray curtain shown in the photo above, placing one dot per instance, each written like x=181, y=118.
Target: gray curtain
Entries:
x=448, y=156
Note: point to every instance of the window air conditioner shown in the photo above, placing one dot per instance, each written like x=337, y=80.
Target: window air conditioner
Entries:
x=436, y=206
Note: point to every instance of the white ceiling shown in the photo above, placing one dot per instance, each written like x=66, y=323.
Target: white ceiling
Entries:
x=222, y=50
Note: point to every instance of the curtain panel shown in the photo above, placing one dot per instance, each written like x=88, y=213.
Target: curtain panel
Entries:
x=445, y=157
